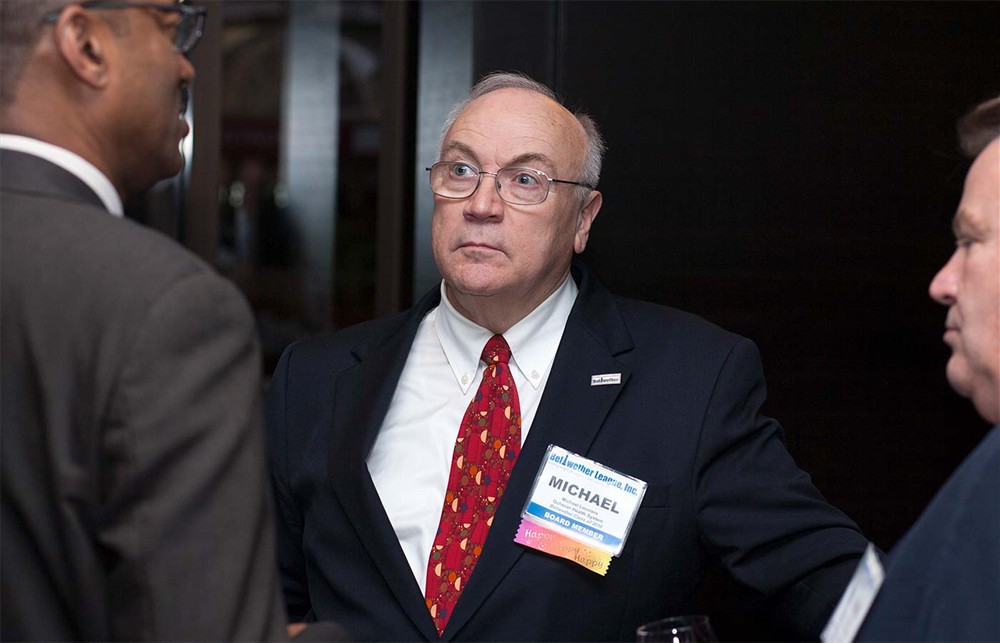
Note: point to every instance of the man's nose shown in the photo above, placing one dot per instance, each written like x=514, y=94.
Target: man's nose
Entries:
x=187, y=69
x=944, y=286
x=485, y=202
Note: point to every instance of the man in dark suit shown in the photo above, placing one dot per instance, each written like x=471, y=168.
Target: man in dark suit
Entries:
x=381, y=514
x=135, y=502
x=942, y=580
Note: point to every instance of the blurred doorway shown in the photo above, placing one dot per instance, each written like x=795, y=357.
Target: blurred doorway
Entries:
x=300, y=134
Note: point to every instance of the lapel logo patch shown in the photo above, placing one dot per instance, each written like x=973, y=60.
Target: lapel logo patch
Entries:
x=605, y=379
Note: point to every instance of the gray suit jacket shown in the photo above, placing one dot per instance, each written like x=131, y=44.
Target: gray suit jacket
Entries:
x=134, y=497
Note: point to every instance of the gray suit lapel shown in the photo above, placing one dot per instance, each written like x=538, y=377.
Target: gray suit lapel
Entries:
x=570, y=415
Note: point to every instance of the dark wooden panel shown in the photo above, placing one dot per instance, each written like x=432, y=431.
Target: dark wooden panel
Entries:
x=521, y=36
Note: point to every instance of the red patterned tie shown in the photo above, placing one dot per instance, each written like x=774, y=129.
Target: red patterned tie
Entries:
x=487, y=446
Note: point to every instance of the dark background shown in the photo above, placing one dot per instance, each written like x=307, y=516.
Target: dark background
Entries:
x=788, y=171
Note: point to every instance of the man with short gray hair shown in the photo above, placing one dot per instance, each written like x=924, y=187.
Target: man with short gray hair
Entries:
x=471, y=468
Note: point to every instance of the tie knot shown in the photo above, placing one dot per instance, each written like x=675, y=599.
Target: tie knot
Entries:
x=496, y=350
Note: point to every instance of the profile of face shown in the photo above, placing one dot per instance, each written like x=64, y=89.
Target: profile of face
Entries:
x=490, y=252
x=969, y=284
x=150, y=96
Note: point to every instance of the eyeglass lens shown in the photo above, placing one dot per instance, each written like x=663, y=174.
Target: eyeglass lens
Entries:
x=189, y=31
x=516, y=185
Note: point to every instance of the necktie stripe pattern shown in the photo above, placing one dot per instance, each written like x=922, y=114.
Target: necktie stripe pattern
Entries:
x=486, y=448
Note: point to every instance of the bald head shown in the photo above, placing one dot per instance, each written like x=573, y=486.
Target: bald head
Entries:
x=590, y=172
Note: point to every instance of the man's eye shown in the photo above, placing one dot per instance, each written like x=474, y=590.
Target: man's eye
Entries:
x=461, y=170
x=963, y=242
x=526, y=179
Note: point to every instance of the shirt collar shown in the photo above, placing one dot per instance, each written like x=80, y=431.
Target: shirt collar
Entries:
x=533, y=341
x=72, y=163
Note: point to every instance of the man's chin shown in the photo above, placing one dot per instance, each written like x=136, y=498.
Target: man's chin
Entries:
x=177, y=160
x=957, y=372
x=170, y=168
x=470, y=288
x=475, y=279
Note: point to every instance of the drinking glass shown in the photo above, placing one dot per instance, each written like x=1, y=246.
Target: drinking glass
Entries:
x=677, y=629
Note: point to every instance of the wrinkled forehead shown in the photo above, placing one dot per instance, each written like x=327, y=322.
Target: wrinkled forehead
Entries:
x=517, y=126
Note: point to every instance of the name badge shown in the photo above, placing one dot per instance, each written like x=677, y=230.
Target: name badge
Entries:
x=857, y=600
x=579, y=509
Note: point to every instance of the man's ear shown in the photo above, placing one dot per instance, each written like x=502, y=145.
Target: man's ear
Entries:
x=81, y=41
x=588, y=212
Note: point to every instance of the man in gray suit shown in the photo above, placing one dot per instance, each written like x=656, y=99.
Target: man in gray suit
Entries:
x=135, y=503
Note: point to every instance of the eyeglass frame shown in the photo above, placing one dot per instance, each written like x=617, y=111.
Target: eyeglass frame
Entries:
x=186, y=11
x=496, y=183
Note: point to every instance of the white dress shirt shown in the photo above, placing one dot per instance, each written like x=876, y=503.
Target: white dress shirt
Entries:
x=411, y=458
x=72, y=163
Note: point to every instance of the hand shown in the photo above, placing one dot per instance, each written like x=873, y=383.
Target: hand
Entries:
x=294, y=629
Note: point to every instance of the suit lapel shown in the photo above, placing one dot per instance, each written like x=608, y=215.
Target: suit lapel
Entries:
x=361, y=402
x=570, y=415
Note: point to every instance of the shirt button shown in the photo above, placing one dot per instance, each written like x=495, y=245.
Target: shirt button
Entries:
x=465, y=380
x=535, y=375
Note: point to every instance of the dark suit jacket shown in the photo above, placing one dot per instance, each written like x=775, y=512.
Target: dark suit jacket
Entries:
x=135, y=502
x=942, y=580
x=722, y=486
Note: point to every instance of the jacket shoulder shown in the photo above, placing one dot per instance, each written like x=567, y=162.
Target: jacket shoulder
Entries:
x=94, y=281
x=324, y=355
x=91, y=244
x=651, y=323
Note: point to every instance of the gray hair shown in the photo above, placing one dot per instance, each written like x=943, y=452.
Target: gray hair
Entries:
x=591, y=172
x=979, y=127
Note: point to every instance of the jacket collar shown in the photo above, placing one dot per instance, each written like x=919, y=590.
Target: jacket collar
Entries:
x=31, y=174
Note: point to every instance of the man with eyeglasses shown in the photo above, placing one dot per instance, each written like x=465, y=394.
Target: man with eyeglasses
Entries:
x=469, y=469
x=135, y=503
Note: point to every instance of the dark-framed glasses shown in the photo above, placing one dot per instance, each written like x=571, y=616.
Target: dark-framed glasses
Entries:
x=189, y=28
x=515, y=185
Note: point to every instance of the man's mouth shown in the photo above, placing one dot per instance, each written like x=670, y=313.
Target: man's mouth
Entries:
x=476, y=245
